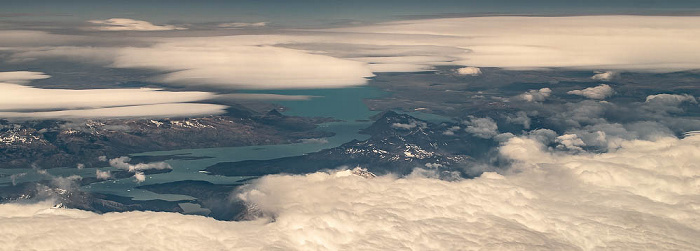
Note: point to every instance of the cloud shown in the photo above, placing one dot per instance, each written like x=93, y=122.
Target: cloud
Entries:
x=138, y=169
x=24, y=38
x=543, y=136
x=18, y=97
x=247, y=67
x=123, y=163
x=519, y=42
x=599, y=92
x=481, y=127
x=400, y=63
x=520, y=118
x=670, y=99
x=536, y=95
x=125, y=24
x=571, y=142
x=21, y=77
x=18, y=101
x=137, y=111
x=470, y=71
x=604, y=76
x=103, y=175
x=264, y=96
x=242, y=25
x=228, y=62
x=139, y=177
x=640, y=196
x=577, y=114
x=330, y=58
x=606, y=136
x=409, y=126
x=315, y=141
x=451, y=131
x=642, y=168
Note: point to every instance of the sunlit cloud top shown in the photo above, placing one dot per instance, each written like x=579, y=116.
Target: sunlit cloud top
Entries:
x=125, y=24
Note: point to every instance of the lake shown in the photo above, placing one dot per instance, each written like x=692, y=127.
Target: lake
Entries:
x=344, y=104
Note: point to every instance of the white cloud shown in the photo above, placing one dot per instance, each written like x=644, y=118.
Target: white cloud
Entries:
x=347, y=56
x=670, y=99
x=125, y=24
x=103, y=175
x=140, y=177
x=264, y=96
x=409, y=126
x=470, y=71
x=24, y=38
x=520, y=118
x=451, y=131
x=570, y=142
x=481, y=127
x=18, y=101
x=606, y=136
x=18, y=97
x=315, y=141
x=392, y=67
x=122, y=163
x=661, y=171
x=599, y=92
x=544, y=136
x=251, y=67
x=642, y=196
x=242, y=25
x=231, y=62
x=542, y=42
x=21, y=77
x=536, y=95
x=604, y=76
x=139, y=111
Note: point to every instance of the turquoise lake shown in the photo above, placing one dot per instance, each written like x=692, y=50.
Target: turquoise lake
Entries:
x=344, y=104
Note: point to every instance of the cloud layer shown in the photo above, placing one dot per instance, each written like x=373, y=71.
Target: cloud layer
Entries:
x=599, y=92
x=536, y=95
x=641, y=196
x=470, y=71
x=348, y=56
x=125, y=24
x=236, y=25
x=584, y=42
x=227, y=62
x=21, y=77
x=18, y=101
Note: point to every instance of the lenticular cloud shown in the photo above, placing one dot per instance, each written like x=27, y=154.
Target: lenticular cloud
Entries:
x=344, y=57
x=645, y=195
x=19, y=101
x=125, y=24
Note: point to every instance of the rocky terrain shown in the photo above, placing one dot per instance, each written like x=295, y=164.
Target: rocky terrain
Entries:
x=398, y=144
x=55, y=143
x=65, y=192
x=213, y=197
